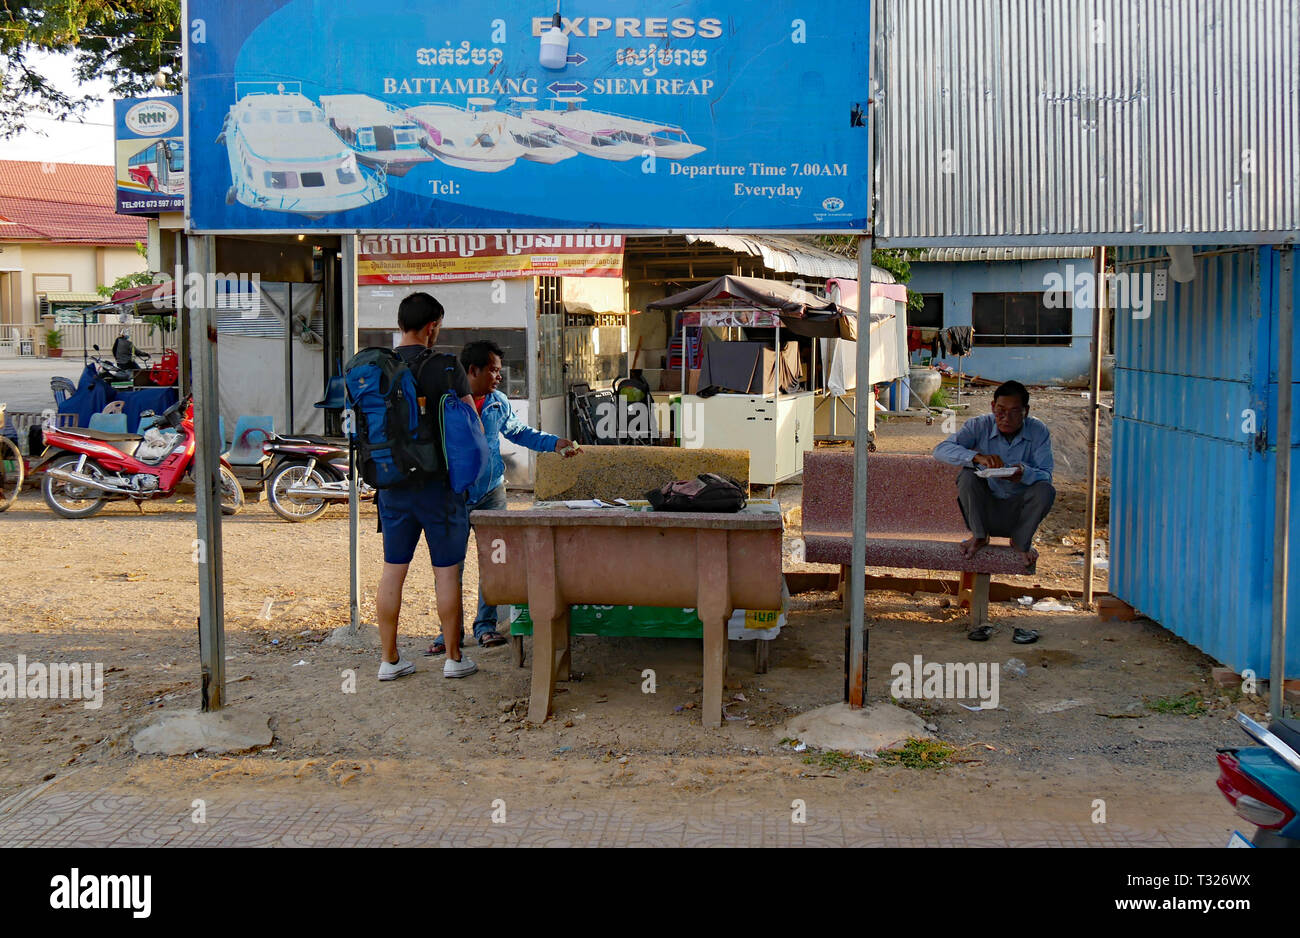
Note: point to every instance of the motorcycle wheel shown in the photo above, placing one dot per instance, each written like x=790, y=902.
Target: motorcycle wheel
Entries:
x=295, y=507
x=11, y=472
x=69, y=500
x=232, y=493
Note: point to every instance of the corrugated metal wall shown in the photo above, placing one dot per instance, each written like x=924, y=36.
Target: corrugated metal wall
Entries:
x=1047, y=121
x=1191, y=474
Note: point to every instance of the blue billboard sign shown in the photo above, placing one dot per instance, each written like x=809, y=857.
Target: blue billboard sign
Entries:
x=150, y=156
x=703, y=115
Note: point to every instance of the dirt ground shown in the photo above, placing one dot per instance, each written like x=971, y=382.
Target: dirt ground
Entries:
x=120, y=589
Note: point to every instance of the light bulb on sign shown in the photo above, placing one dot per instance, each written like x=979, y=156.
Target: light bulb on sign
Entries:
x=555, y=44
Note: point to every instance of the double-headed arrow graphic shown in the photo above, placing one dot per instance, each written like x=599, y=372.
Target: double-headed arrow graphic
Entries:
x=566, y=88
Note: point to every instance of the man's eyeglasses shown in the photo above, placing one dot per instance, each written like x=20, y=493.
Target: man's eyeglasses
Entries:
x=1010, y=412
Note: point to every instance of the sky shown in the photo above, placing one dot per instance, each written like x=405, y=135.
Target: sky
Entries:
x=68, y=141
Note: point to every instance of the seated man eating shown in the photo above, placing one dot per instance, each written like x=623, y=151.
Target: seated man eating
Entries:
x=1013, y=504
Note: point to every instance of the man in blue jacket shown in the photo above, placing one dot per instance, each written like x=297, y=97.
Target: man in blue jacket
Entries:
x=482, y=362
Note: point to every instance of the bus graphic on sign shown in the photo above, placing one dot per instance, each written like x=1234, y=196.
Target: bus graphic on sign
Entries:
x=160, y=167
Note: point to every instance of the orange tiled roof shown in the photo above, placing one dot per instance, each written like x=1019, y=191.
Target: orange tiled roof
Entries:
x=64, y=203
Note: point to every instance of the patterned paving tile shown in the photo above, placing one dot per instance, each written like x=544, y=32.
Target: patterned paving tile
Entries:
x=109, y=818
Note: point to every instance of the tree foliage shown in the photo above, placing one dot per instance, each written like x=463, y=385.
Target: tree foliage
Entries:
x=897, y=261
x=126, y=42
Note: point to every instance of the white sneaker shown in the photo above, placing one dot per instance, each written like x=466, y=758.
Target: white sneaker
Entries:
x=391, y=672
x=462, y=668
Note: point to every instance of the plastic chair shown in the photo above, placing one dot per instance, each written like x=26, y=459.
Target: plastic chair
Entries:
x=250, y=434
x=63, y=389
x=108, y=423
x=334, y=399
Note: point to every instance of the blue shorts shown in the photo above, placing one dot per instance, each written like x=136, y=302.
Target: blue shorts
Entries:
x=433, y=509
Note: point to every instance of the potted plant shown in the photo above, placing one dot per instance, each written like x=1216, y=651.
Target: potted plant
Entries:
x=53, y=343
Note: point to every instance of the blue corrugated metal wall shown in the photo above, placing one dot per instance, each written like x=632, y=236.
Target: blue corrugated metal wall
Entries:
x=1192, y=479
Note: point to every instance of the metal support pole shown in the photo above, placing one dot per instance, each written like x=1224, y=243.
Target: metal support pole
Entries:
x=1282, y=477
x=349, y=247
x=855, y=677
x=183, y=330
x=207, y=481
x=288, y=362
x=1094, y=416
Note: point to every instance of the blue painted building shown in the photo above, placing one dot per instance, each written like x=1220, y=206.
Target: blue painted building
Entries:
x=1002, y=292
x=1195, y=444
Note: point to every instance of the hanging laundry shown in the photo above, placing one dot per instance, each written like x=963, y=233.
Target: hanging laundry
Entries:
x=959, y=340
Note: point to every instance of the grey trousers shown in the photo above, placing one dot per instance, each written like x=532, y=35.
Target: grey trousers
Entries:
x=1017, y=517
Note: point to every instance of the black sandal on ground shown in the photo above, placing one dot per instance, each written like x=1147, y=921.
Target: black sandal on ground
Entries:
x=981, y=634
x=1025, y=637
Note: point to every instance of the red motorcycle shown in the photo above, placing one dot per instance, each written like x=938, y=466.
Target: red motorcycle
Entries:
x=97, y=467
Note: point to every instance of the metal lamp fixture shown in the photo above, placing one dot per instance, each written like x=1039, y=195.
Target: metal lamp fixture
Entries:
x=555, y=44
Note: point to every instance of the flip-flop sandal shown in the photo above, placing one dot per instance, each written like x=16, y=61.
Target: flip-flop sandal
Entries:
x=1025, y=637
x=439, y=647
x=981, y=634
x=491, y=640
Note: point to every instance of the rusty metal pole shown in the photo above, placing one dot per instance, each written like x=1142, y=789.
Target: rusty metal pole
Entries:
x=207, y=477
x=349, y=275
x=1094, y=416
x=855, y=664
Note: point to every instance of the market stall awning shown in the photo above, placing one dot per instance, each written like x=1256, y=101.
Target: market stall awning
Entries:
x=761, y=294
x=154, y=298
x=801, y=312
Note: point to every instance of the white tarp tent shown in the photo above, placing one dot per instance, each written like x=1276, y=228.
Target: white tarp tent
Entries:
x=253, y=365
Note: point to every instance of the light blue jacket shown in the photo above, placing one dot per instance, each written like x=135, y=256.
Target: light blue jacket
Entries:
x=499, y=420
x=1031, y=448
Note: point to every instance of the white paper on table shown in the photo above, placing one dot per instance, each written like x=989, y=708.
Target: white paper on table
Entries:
x=1005, y=472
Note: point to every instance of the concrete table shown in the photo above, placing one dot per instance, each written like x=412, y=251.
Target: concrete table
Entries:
x=554, y=558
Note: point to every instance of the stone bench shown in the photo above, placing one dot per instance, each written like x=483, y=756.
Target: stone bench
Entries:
x=913, y=521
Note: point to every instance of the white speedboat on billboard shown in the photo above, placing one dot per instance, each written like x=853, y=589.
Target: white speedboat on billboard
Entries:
x=284, y=158
x=378, y=133
x=474, y=138
x=541, y=144
x=584, y=131
x=614, y=136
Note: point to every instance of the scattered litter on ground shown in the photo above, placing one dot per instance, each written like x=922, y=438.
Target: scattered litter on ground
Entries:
x=1059, y=706
x=1015, y=668
x=1051, y=605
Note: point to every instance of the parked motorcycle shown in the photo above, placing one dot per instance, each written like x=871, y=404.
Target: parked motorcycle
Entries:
x=1262, y=783
x=96, y=467
x=137, y=374
x=306, y=474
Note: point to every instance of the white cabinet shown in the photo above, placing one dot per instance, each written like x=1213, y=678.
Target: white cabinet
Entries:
x=775, y=431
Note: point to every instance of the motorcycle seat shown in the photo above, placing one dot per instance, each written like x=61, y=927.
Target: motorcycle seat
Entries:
x=102, y=436
x=306, y=439
x=1288, y=731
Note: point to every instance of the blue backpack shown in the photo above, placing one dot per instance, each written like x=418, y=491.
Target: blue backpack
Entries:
x=393, y=427
x=464, y=447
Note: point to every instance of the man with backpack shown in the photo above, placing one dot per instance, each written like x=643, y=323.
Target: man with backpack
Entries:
x=482, y=363
x=424, y=502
